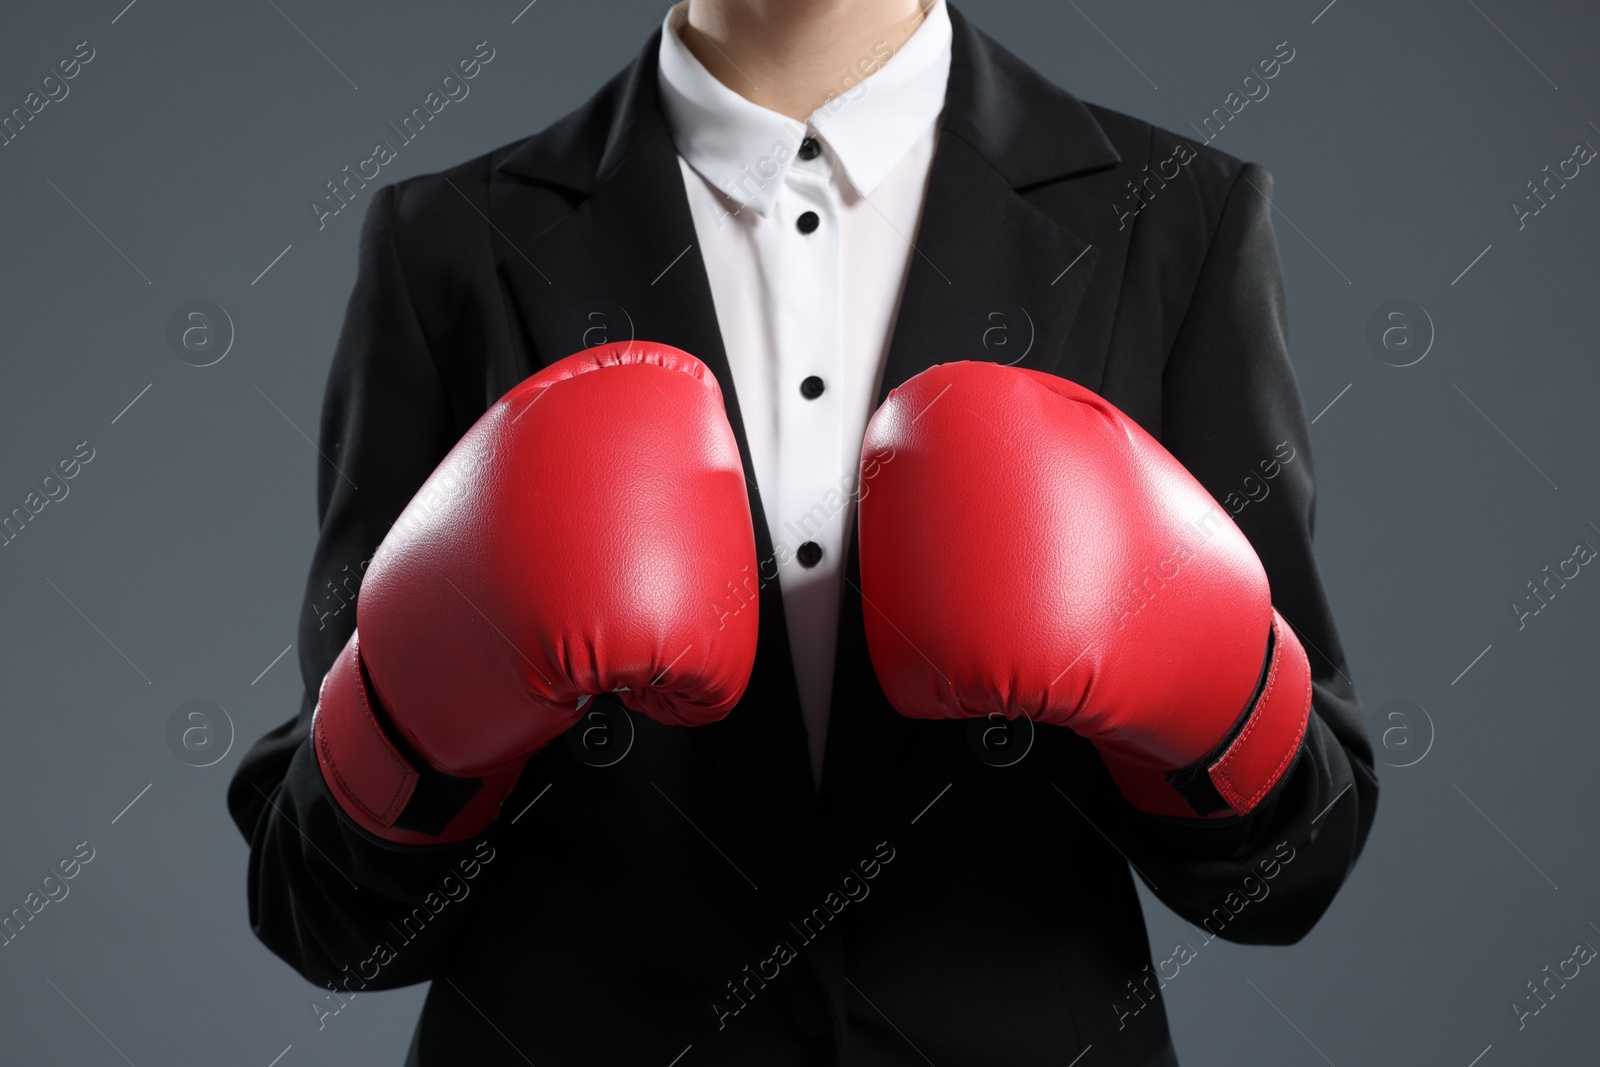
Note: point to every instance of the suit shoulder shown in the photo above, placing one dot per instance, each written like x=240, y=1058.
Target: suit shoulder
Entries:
x=437, y=225
x=1142, y=143
x=420, y=199
x=1171, y=192
x=558, y=164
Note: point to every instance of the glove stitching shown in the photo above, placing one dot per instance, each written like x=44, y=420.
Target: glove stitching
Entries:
x=1220, y=770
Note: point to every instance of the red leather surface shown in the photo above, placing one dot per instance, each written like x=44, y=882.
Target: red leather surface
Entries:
x=577, y=540
x=1027, y=549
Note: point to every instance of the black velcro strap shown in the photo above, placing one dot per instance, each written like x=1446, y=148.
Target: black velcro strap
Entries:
x=1194, y=782
x=438, y=796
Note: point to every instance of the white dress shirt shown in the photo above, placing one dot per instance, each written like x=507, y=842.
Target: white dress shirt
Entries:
x=807, y=259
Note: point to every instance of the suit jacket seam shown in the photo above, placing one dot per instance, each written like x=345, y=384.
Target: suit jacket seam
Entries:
x=1205, y=263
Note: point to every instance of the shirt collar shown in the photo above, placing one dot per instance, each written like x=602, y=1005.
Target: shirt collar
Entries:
x=745, y=149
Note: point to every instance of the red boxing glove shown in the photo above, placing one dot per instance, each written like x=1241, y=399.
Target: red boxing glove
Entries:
x=1028, y=550
x=572, y=543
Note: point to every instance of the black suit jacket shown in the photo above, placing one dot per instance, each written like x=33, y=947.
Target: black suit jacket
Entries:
x=940, y=899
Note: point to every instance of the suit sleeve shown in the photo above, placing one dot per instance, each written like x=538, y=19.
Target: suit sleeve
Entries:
x=323, y=893
x=1232, y=414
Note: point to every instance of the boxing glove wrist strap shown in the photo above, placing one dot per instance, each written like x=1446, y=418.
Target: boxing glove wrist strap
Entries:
x=376, y=777
x=1250, y=760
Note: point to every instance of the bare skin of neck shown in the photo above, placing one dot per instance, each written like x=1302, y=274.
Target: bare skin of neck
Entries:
x=788, y=55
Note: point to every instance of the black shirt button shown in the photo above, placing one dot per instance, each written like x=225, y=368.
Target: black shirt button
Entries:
x=811, y=388
x=807, y=222
x=809, y=554
x=809, y=148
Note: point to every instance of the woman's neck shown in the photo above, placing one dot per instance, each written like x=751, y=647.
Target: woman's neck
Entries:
x=789, y=55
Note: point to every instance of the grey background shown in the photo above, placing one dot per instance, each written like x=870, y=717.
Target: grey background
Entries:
x=173, y=569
